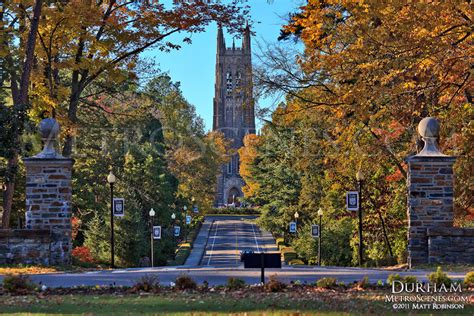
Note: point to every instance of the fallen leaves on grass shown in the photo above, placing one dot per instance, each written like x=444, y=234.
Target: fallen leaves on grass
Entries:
x=27, y=270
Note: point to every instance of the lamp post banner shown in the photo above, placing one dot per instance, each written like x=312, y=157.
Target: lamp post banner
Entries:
x=292, y=227
x=315, y=231
x=188, y=219
x=156, y=232
x=119, y=207
x=352, y=201
x=177, y=231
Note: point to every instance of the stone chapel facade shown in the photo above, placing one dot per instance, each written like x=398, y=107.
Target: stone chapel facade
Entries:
x=234, y=114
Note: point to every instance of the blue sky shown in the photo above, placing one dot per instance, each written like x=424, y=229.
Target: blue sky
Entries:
x=194, y=65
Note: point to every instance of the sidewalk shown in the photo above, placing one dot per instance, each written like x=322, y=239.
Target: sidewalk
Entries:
x=199, y=244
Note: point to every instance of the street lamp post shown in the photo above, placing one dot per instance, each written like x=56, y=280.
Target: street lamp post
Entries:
x=173, y=217
x=111, y=180
x=320, y=213
x=360, y=179
x=296, y=215
x=185, y=209
x=152, y=216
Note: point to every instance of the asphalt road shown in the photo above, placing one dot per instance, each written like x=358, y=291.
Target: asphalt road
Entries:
x=221, y=260
x=229, y=236
x=216, y=275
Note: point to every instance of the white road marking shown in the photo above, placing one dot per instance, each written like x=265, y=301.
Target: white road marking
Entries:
x=236, y=245
x=255, y=236
x=213, y=242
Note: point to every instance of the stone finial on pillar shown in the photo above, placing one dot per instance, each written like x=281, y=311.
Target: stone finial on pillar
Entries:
x=49, y=131
x=49, y=193
x=430, y=192
x=428, y=128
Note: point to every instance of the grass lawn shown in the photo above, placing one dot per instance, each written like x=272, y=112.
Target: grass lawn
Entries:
x=218, y=303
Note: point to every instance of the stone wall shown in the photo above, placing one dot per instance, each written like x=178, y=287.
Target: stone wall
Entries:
x=431, y=235
x=47, y=237
x=25, y=246
x=451, y=245
x=430, y=201
x=48, y=203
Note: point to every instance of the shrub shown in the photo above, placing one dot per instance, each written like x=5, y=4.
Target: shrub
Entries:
x=185, y=282
x=394, y=277
x=439, y=277
x=235, y=283
x=280, y=242
x=147, y=283
x=364, y=282
x=274, y=285
x=313, y=261
x=288, y=254
x=410, y=279
x=296, y=262
x=18, y=284
x=469, y=279
x=83, y=254
x=380, y=283
x=326, y=283
x=233, y=211
x=181, y=254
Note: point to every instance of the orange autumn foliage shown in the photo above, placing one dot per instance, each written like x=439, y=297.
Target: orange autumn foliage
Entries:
x=247, y=155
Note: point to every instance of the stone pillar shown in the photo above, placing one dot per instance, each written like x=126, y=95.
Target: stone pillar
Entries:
x=48, y=194
x=430, y=192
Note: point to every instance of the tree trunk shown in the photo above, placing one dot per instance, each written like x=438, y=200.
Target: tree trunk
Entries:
x=19, y=110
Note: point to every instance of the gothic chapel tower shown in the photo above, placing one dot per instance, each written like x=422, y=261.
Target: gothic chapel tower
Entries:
x=233, y=110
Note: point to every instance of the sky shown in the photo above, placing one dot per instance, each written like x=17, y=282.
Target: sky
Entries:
x=194, y=64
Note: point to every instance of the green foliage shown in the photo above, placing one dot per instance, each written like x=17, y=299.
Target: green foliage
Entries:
x=288, y=254
x=295, y=169
x=394, y=277
x=439, y=277
x=469, y=279
x=185, y=282
x=18, y=284
x=232, y=211
x=182, y=253
x=235, y=283
x=326, y=283
x=280, y=242
x=410, y=279
x=295, y=262
x=405, y=279
x=140, y=162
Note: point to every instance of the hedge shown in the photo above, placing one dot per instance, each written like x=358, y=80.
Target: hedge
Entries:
x=296, y=262
x=181, y=254
x=288, y=254
x=280, y=242
x=232, y=211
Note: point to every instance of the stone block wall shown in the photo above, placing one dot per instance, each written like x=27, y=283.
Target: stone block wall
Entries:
x=25, y=246
x=430, y=201
x=48, y=203
x=451, y=245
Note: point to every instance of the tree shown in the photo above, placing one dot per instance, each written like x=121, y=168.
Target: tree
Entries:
x=86, y=50
x=369, y=72
x=127, y=137
x=194, y=157
x=19, y=78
